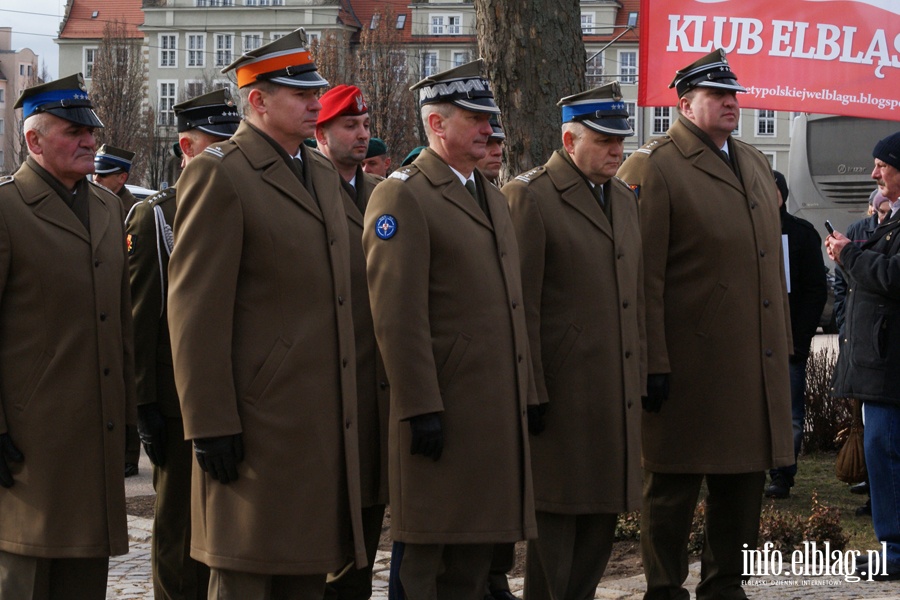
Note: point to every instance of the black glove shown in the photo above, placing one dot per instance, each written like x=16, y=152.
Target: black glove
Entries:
x=536, y=414
x=427, y=435
x=8, y=453
x=219, y=456
x=152, y=430
x=657, y=392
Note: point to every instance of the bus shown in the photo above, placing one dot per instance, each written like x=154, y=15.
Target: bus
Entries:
x=830, y=168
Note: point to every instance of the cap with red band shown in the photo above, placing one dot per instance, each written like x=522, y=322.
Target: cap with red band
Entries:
x=286, y=61
x=340, y=101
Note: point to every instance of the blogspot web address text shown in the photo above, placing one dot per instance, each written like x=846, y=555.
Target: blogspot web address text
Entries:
x=788, y=91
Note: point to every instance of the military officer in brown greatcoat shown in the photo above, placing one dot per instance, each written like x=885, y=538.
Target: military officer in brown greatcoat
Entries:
x=201, y=121
x=111, y=169
x=342, y=132
x=66, y=364
x=446, y=297
x=718, y=401
x=580, y=246
x=263, y=343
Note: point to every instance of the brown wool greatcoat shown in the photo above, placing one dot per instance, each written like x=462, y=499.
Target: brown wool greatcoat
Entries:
x=66, y=371
x=262, y=341
x=447, y=306
x=373, y=393
x=584, y=298
x=717, y=310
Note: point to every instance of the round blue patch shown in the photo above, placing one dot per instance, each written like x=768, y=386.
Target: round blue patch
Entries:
x=386, y=227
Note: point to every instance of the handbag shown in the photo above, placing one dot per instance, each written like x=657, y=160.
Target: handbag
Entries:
x=850, y=465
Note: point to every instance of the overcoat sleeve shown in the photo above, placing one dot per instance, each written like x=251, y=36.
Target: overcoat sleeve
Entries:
x=146, y=297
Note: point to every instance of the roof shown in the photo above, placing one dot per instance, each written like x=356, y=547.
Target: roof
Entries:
x=79, y=22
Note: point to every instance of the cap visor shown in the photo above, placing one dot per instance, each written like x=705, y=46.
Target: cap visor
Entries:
x=482, y=105
x=723, y=84
x=105, y=169
x=310, y=79
x=81, y=115
x=609, y=126
x=223, y=130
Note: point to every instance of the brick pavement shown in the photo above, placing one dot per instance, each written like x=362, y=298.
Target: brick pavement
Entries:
x=129, y=579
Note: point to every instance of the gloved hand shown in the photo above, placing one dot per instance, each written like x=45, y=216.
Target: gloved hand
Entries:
x=427, y=435
x=152, y=430
x=657, y=392
x=8, y=453
x=536, y=414
x=219, y=456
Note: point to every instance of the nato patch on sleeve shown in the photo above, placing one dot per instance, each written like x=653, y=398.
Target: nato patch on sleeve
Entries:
x=386, y=227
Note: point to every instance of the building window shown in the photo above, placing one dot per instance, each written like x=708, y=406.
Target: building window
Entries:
x=398, y=63
x=224, y=44
x=277, y=36
x=30, y=71
x=737, y=129
x=312, y=37
x=401, y=21
x=90, y=54
x=263, y=2
x=632, y=19
x=375, y=18
x=429, y=63
x=587, y=23
x=22, y=70
x=168, y=46
x=2, y=92
x=196, y=50
x=460, y=58
x=215, y=2
x=631, y=107
x=770, y=156
x=594, y=70
x=166, y=113
x=2, y=131
x=252, y=41
x=192, y=89
x=765, y=123
x=446, y=24
x=628, y=67
x=662, y=120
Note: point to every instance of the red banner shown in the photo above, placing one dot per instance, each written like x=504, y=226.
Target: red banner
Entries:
x=839, y=57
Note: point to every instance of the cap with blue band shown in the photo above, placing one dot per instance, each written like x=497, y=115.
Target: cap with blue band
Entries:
x=600, y=109
x=66, y=98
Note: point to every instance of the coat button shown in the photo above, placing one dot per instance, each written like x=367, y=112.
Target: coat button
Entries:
x=344, y=362
x=762, y=252
x=347, y=423
x=383, y=384
x=766, y=303
x=331, y=241
x=520, y=358
x=620, y=256
x=752, y=205
x=341, y=300
x=768, y=352
x=515, y=304
x=106, y=371
x=96, y=262
x=628, y=354
x=103, y=316
x=625, y=304
x=110, y=425
x=630, y=404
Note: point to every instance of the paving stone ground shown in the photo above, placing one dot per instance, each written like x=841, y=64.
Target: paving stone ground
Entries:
x=129, y=579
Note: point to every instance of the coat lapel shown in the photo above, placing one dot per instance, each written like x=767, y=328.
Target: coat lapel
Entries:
x=263, y=157
x=100, y=216
x=440, y=175
x=702, y=156
x=576, y=192
x=46, y=204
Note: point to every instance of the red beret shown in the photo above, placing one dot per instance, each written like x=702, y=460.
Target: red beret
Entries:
x=340, y=101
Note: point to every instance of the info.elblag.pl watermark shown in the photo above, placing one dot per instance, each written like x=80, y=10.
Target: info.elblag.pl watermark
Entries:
x=812, y=560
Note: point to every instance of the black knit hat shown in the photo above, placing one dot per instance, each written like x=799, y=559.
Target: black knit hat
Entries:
x=888, y=150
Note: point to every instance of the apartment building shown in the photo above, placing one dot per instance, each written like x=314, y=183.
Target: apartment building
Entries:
x=18, y=70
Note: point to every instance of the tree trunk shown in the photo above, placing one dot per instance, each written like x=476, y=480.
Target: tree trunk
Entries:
x=534, y=56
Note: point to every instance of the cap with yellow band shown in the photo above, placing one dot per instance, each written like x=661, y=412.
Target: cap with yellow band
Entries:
x=286, y=61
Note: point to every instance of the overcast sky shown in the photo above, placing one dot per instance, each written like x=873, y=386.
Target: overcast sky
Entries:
x=34, y=25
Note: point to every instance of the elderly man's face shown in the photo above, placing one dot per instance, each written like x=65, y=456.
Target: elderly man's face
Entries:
x=466, y=134
x=888, y=179
x=65, y=149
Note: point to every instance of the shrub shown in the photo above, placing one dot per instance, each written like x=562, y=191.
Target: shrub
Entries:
x=825, y=416
x=824, y=525
x=628, y=526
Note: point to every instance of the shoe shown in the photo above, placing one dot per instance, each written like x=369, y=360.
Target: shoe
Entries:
x=860, y=488
x=780, y=488
x=131, y=469
x=865, y=510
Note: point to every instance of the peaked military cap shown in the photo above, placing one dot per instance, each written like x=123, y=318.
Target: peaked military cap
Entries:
x=600, y=109
x=110, y=159
x=463, y=86
x=497, y=128
x=710, y=71
x=413, y=155
x=213, y=113
x=341, y=100
x=377, y=147
x=286, y=61
x=66, y=98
